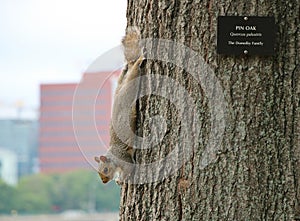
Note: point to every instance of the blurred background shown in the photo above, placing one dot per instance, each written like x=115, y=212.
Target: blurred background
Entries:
x=46, y=49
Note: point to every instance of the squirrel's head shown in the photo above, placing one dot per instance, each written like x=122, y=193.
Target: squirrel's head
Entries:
x=106, y=168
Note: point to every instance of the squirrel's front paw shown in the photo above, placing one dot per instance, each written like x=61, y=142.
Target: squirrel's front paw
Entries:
x=119, y=181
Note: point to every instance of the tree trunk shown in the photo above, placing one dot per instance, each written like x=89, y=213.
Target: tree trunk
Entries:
x=246, y=169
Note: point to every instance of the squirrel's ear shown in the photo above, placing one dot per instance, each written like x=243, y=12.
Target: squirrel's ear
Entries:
x=103, y=159
x=97, y=159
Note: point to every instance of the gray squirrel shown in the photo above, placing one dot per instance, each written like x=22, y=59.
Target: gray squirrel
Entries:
x=112, y=165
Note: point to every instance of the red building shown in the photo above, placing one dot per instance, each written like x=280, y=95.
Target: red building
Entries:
x=74, y=122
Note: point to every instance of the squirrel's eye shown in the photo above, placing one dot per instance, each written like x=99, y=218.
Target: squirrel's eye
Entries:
x=105, y=170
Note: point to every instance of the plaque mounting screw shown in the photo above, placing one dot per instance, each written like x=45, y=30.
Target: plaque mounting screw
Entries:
x=245, y=51
x=246, y=18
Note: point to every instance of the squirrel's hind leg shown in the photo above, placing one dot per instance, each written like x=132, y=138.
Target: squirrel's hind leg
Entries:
x=134, y=70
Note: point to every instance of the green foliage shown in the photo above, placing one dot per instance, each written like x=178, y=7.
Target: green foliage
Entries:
x=58, y=192
x=33, y=194
x=7, y=195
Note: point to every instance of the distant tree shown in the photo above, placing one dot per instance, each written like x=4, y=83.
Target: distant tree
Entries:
x=58, y=192
x=34, y=194
x=7, y=197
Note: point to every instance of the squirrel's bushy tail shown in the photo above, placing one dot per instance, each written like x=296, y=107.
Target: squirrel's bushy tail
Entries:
x=131, y=43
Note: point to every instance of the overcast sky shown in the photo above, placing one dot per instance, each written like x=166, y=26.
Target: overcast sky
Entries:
x=52, y=41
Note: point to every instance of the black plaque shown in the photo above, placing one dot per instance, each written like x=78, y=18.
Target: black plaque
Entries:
x=249, y=35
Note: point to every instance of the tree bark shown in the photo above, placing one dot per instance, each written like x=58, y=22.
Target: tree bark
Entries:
x=253, y=174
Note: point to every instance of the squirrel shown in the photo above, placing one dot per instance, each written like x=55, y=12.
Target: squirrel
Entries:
x=112, y=165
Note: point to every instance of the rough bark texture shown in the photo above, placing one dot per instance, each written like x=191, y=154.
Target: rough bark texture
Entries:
x=256, y=173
